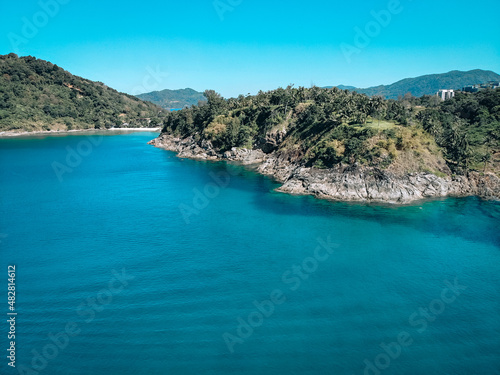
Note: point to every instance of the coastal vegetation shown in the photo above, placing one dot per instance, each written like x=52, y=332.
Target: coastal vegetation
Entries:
x=467, y=128
x=322, y=128
x=38, y=95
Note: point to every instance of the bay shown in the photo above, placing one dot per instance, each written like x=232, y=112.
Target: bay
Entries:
x=156, y=261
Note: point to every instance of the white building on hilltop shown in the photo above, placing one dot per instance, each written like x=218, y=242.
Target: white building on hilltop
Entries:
x=446, y=94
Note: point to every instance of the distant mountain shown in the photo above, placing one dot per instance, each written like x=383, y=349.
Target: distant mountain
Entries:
x=38, y=95
x=428, y=84
x=173, y=99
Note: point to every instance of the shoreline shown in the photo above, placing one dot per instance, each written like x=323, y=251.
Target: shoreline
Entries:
x=9, y=134
x=346, y=183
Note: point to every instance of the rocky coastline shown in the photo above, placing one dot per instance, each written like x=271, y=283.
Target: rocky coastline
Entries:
x=343, y=182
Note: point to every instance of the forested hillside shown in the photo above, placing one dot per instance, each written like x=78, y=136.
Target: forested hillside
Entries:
x=38, y=95
x=324, y=127
x=467, y=127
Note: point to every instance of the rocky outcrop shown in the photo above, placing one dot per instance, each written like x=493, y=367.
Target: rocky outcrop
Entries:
x=343, y=182
x=203, y=150
x=359, y=183
x=272, y=140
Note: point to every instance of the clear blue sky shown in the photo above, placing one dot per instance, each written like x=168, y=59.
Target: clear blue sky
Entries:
x=258, y=44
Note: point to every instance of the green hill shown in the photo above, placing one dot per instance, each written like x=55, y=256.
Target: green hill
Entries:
x=429, y=84
x=326, y=127
x=38, y=95
x=174, y=99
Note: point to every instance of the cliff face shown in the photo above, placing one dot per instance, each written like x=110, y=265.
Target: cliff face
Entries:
x=343, y=182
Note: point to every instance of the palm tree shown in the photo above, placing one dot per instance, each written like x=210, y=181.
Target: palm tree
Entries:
x=363, y=108
x=377, y=106
x=350, y=106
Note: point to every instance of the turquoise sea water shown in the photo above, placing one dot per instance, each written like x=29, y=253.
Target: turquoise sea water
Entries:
x=233, y=278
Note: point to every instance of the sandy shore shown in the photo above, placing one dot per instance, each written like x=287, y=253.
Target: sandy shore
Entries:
x=64, y=132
